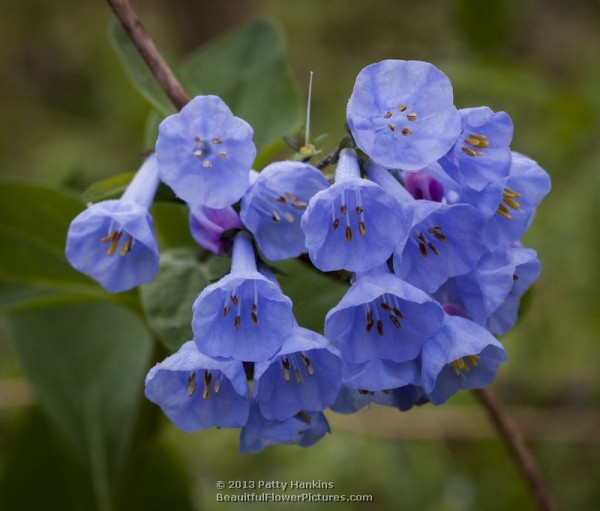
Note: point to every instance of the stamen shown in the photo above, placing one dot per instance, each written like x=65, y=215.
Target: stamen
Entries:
x=282, y=199
x=207, y=382
x=307, y=364
x=298, y=204
x=433, y=248
x=370, y=321
x=291, y=196
x=222, y=154
x=387, y=115
x=392, y=126
x=289, y=217
x=226, y=310
x=298, y=376
x=234, y=299
x=197, y=139
x=423, y=249
x=217, y=140
x=402, y=108
x=236, y=323
x=473, y=359
x=343, y=209
x=406, y=131
x=395, y=321
x=359, y=210
x=207, y=164
x=198, y=153
x=275, y=217
x=348, y=233
x=477, y=140
x=385, y=306
x=440, y=237
x=515, y=277
x=217, y=386
x=254, y=314
x=412, y=117
x=380, y=327
x=114, y=243
x=191, y=384
x=397, y=313
x=511, y=193
x=127, y=246
x=336, y=224
x=366, y=392
x=470, y=152
x=512, y=203
x=362, y=228
x=503, y=210
x=286, y=369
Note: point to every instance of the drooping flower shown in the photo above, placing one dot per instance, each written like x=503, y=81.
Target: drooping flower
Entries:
x=444, y=240
x=523, y=190
x=481, y=154
x=208, y=224
x=244, y=315
x=274, y=204
x=197, y=392
x=401, y=114
x=354, y=224
x=305, y=375
x=462, y=355
x=351, y=400
x=113, y=241
x=304, y=429
x=381, y=316
x=490, y=294
x=204, y=153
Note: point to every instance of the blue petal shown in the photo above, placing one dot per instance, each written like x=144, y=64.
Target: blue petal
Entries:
x=386, y=96
x=378, y=374
x=402, y=317
x=215, y=316
x=88, y=254
x=259, y=432
x=527, y=270
x=205, y=153
x=403, y=398
x=274, y=204
x=305, y=375
x=334, y=237
x=179, y=387
x=444, y=241
x=529, y=180
x=458, y=338
x=482, y=152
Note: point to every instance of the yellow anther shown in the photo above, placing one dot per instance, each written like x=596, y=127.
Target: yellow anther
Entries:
x=114, y=241
x=512, y=203
x=473, y=359
x=511, y=193
x=191, y=384
x=470, y=152
x=460, y=365
x=207, y=164
x=126, y=247
x=503, y=210
x=477, y=140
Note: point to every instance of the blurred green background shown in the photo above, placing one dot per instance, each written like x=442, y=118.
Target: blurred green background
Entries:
x=70, y=117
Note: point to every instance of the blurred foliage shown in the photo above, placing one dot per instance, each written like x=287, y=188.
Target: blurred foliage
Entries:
x=71, y=119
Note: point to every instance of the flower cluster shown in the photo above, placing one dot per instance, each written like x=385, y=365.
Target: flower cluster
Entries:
x=425, y=211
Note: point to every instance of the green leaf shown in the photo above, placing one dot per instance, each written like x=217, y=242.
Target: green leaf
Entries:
x=139, y=74
x=158, y=483
x=171, y=223
x=248, y=70
x=110, y=188
x=86, y=363
x=38, y=458
x=312, y=292
x=167, y=300
x=34, y=220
